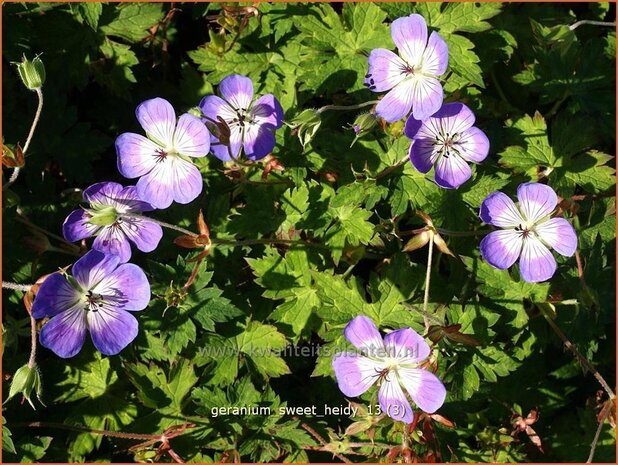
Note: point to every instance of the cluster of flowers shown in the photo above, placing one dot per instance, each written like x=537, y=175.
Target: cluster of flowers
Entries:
x=103, y=288
x=443, y=137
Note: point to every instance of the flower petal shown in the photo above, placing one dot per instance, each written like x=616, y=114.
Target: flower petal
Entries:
x=127, y=288
x=158, y=118
x=259, y=141
x=426, y=390
x=111, y=240
x=55, y=295
x=191, y=137
x=268, y=110
x=364, y=335
x=174, y=179
x=406, y=345
x=501, y=248
x=65, y=333
x=386, y=70
x=397, y=102
x=393, y=401
x=137, y=155
x=145, y=234
x=410, y=37
x=93, y=267
x=499, y=210
x=213, y=106
x=427, y=96
x=103, y=193
x=187, y=181
x=237, y=90
x=355, y=373
x=435, y=56
x=156, y=187
x=452, y=172
x=559, y=234
x=536, y=200
x=422, y=154
x=76, y=226
x=111, y=330
x=536, y=263
x=451, y=118
x=473, y=145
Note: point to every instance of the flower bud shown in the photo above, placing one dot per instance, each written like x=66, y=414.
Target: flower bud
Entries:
x=363, y=124
x=37, y=242
x=32, y=73
x=305, y=125
x=25, y=381
x=12, y=158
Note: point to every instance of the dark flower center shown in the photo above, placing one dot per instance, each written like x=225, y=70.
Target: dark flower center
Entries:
x=448, y=144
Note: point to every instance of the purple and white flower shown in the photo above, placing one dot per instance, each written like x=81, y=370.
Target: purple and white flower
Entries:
x=251, y=123
x=109, y=218
x=411, y=77
x=393, y=363
x=163, y=159
x=527, y=232
x=447, y=140
x=98, y=297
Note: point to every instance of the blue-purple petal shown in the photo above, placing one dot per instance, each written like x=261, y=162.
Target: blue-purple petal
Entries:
x=93, y=267
x=364, y=335
x=65, y=333
x=425, y=389
x=501, y=249
x=128, y=286
x=536, y=263
x=111, y=240
x=54, y=296
x=355, y=373
x=112, y=330
x=393, y=401
x=559, y=234
x=76, y=226
x=237, y=90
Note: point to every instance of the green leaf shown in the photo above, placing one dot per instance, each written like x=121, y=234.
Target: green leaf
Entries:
x=462, y=59
x=261, y=344
x=132, y=21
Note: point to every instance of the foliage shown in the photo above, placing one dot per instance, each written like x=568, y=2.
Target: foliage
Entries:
x=543, y=94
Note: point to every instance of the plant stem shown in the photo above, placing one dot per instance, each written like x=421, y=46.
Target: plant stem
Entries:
x=591, y=22
x=160, y=223
x=427, y=281
x=23, y=219
x=16, y=287
x=583, y=360
x=597, y=434
x=346, y=107
x=32, y=359
x=37, y=116
x=392, y=168
x=448, y=232
x=83, y=429
x=267, y=241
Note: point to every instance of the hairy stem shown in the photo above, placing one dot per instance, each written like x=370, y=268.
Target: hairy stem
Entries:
x=390, y=169
x=427, y=281
x=447, y=232
x=84, y=429
x=591, y=22
x=32, y=359
x=583, y=360
x=35, y=121
x=267, y=241
x=16, y=287
x=597, y=434
x=346, y=107
x=160, y=223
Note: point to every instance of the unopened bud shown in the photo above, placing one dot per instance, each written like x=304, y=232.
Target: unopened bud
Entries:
x=37, y=242
x=26, y=381
x=418, y=241
x=305, y=125
x=363, y=124
x=32, y=73
x=12, y=158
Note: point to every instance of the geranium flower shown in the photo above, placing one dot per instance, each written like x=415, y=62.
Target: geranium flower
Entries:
x=448, y=141
x=393, y=363
x=98, y=297
x=527, y=232
x=411, y=78
x=251, y=124
x=163, y=160
x=109, y=219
